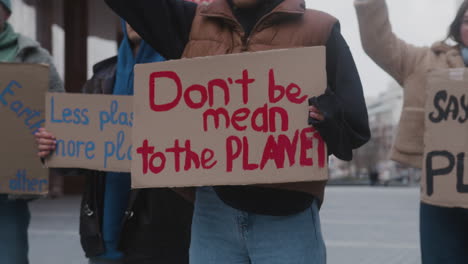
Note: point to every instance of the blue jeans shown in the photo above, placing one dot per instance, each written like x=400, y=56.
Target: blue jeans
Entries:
x=222, y=234
x=444, y=235
x=14, y=222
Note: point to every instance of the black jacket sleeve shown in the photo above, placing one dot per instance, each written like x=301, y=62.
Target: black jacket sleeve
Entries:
x=164, y=24
x=346, y=125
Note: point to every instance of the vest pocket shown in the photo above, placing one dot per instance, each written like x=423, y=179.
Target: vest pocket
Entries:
x=410, y=137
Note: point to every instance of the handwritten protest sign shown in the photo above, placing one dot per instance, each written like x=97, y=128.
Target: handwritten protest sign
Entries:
x=22, y=89
x=92, y=131
x=228, y=120
x=445, y=170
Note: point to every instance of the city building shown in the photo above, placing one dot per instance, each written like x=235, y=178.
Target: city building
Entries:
x=77, y=33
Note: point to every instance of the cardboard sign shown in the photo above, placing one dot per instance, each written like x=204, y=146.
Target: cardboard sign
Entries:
x=228, y=120
x=445, y=168
x=22, y=89
x=92, y=131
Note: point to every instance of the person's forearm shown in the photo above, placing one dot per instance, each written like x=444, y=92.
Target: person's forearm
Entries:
x=376, y=34
x=346, y=122
x=392, y=54
x=164, y=24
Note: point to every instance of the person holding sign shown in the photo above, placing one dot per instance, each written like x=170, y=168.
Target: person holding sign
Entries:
x=157, y=222
x=14, y=211
x=444, y=235
x=250, y=224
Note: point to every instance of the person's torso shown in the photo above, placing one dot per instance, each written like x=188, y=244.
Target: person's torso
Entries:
x=216, y=31
x=409, y=142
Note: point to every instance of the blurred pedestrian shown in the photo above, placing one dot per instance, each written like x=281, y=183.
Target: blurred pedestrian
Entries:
x=374, y=177
x=444, y=231
x=14, y=211
x=118, y=225
x=274, y=223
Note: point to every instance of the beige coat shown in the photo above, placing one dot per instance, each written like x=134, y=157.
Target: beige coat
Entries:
x=409, y=66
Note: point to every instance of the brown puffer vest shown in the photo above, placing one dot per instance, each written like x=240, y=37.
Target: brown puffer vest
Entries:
x=215, y=31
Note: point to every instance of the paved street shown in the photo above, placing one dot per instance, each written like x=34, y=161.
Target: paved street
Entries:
x=361, y=225
x=371, y=225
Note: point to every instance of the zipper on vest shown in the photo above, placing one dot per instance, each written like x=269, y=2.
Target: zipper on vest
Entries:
x=246, y=38
x=245, y=42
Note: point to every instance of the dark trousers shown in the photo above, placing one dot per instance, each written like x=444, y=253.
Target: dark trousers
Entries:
x=444, y=235
x=159, y=231
x=14, y=222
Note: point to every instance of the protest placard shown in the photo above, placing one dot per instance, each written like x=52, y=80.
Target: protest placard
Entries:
x=93, y=131
x=445, y=174
x=228, y=120
x=22, y=90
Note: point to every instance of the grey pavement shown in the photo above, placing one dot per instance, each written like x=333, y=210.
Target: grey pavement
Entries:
x=361, y=225
x=53, y=234
x=364, y=225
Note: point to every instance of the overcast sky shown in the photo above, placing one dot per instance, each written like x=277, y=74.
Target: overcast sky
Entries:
x=420, y=22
